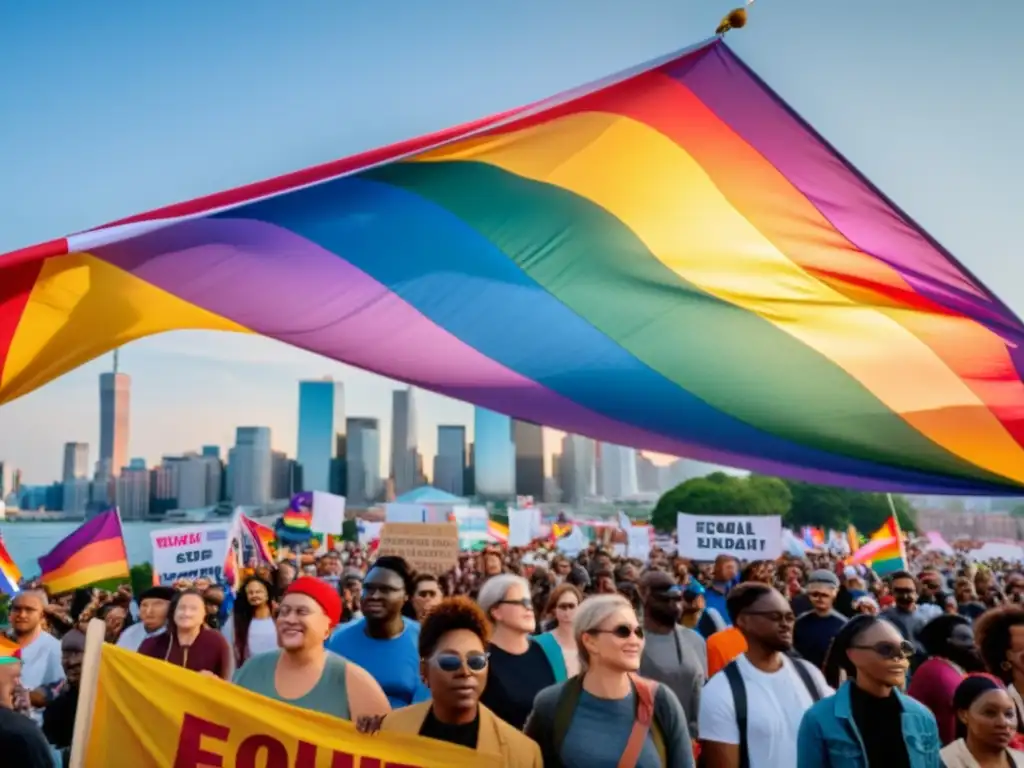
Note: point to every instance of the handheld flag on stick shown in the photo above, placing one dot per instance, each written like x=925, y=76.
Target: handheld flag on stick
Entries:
x=95, y=551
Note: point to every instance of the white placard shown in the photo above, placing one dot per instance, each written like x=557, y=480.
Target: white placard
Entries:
x=328, y=513
x=705, y=537
x=405, y=513
x=190, y=552
x=520, y=527
x=639, y=542
x=472, y=522
x=369, y=531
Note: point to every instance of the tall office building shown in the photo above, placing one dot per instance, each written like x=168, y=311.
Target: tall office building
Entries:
x=251, y=465
x=618, y=471
x=406, y=463
x=115, y=405
x=131, y=493
x=284, y=476
x=450, y=459
x=6, y=480
x=363, y=461
x=197, y=480
x=494, y=455
x=529, y=442
x=321, y=451
x=577, y=469
x=75, y=478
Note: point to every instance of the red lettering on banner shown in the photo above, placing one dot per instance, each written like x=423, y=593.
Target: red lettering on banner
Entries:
x=190, y=752
x=343, y=760
x=249, y=750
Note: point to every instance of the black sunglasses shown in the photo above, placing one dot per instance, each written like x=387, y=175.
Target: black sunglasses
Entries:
x=891, y=651
x=623, y=632
x=526, y=603
x=452, y=662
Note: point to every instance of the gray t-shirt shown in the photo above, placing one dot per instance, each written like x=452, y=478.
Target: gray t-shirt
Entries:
x=599, y=732
x=329, y=696
x=677, y=662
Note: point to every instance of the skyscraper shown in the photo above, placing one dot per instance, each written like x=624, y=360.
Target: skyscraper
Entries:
x=75, y=478
x=577, y=469
x=6, y=480
x=363, y=460
x=115, y=405
x=405, y=461
x=529, y=441
x=132, y=492
x=618, y=471
x=450, y=460
x=494, y=455
x=251, y=464
x=321, y=451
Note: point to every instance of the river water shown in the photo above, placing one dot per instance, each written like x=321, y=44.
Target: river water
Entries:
x=27, y=541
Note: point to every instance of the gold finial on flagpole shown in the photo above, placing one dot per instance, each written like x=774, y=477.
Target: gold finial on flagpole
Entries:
x=736, y=19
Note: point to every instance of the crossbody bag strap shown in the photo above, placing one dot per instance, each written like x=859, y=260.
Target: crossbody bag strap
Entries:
x=739, y=698
x=645, y=691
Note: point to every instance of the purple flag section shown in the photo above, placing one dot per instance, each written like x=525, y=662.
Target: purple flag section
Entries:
x=106, y=525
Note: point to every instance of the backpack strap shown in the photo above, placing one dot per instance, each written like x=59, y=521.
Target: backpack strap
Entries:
x=645, y=692
x=739, y=698
x=564, y=711
x=806, y=679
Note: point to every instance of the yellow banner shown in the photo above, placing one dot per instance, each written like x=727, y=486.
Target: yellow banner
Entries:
x=150, y=713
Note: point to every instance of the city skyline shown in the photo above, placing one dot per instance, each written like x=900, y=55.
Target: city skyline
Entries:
x=240, y=109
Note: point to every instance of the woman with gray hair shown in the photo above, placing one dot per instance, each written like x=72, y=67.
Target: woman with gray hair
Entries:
x=608, y=716
x=519, y=667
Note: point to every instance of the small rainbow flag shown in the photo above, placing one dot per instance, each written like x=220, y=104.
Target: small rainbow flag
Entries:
x=296, y=519
x=884, y=552
x=262, y=536
x=94, y=552
x=497, y=532
x=10, y=651
x=9, y=573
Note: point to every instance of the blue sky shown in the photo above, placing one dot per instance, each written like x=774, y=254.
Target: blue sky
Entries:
x=108, y=109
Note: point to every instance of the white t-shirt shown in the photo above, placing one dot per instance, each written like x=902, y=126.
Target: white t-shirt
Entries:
x=132, y=637
x=776, y=703
x=262, y=636
x=41, y=665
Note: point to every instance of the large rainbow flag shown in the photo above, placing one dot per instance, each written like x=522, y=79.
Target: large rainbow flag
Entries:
x=670, y=258
x=93, y=552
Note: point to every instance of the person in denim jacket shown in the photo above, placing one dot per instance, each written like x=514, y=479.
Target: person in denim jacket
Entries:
x=868, y=723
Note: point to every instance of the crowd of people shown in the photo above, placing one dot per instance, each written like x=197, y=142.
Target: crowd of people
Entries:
x=591, y=661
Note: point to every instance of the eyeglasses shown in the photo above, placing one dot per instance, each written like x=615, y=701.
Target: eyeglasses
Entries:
x=526, y=603
x=383, y=589
x=775, y=617
x=452, y=662
x=566, y=607
x=669, y=593
x=891, y=651
x=622, y=632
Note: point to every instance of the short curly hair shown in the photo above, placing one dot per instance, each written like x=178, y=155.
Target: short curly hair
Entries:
x=451, y=614
x=992, y=634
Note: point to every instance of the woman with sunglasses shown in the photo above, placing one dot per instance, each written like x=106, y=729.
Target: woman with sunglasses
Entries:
x=868, y=722
x=454, y=664
x=986, y=724
x=608, y=716
x=559, y=643
x=519, y=667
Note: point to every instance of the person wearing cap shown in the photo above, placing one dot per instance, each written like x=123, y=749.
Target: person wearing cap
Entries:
x=22, y=744
x=153, y=606
x=302, y=672
x=814, y=630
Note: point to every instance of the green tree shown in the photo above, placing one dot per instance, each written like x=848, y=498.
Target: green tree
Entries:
x=828, y=507
x=721, y=494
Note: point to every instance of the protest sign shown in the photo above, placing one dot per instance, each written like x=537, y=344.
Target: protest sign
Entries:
x=328, y=513
x=753, y=537
x=137, y=711
x=190, y=552
x=405, y=513
x=520, y=527
x=427, y=547
x=638, y=542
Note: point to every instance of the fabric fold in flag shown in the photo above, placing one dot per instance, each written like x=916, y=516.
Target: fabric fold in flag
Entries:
x=669, y=258
x=94, y=552
x=885, y=551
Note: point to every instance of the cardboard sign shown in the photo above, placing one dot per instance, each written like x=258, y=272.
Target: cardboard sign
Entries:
x=190, y=552
x=427, y=547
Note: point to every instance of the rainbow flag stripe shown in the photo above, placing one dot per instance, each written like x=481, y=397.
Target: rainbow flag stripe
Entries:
x=94, y=552
x=669, y=258
x=10, y=651
x=10, y=575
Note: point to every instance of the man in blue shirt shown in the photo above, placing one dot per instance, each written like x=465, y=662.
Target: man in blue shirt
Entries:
x=384, y=642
